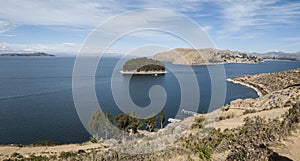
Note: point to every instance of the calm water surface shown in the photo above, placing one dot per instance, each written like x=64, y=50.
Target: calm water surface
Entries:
x=36, y=102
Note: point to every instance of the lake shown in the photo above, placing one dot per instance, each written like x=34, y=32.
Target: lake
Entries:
x=36, y=102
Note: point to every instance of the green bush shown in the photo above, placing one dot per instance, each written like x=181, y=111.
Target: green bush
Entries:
x=93, y=139
x=198, y=123
x=204, y=147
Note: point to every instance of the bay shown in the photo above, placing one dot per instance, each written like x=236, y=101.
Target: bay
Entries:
x=36, y=102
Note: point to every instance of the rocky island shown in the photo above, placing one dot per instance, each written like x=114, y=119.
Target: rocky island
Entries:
x=188, y=56
x=143, y=66
x=27, y=54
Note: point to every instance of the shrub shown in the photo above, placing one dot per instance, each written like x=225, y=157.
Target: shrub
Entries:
x=198, y=122
x=249, y=111
x=93, y=139
x=204, y=147
x=16, y=155
x=227, y=116
x=65, y=155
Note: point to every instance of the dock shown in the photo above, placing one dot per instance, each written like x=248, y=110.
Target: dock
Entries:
x=189, y=112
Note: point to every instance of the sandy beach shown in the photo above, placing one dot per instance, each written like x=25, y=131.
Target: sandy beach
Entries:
x=247, y=85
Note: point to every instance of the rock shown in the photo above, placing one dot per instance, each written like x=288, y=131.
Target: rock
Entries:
x=111, y=142
x=178, y=129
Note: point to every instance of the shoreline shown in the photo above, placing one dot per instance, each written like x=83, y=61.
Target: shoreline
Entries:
x=142, y=72
x=259, y=93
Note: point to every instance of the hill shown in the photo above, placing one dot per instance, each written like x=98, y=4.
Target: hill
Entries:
x=204, y=56
x=143, y=66
x=279, y=55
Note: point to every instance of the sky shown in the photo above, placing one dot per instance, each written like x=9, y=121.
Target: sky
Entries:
x=62, y=27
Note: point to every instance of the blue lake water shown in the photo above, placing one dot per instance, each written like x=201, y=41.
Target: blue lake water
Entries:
x=36, y=102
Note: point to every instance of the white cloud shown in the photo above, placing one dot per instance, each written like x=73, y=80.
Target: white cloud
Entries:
x=5, y=26
x=146, y=26
x=78, y=12
x=61, y=13
x=66, y=48
x=236, y=15
x=258, y=14
x=238, y=19
x=206, y=28
x=68, y=44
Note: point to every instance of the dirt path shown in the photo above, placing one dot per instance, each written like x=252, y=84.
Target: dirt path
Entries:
x=239, y=120
x=47, y=150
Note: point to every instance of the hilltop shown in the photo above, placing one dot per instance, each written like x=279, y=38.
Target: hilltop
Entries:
x=205, y=56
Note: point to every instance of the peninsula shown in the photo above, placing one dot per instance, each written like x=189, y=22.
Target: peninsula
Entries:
x=27, y=54
x=143, y=66
x=186, y=56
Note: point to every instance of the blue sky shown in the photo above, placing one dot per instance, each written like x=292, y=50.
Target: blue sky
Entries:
x=63, y=26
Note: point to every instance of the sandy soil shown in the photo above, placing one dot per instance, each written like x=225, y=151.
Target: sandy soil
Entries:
x=239, y=120
x=47, y=150
x=289, y=147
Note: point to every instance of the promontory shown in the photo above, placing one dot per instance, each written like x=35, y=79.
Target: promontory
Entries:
x=26, y=54
x=188, y=56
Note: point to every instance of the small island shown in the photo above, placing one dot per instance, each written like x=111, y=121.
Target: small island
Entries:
x=27, y=54
x=143, y=66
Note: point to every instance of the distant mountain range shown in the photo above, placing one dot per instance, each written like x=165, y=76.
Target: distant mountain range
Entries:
x=26, y=54
x=278, y=55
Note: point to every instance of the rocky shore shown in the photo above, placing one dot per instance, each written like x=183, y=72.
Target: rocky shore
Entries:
x=143, y=72
x=245, y=84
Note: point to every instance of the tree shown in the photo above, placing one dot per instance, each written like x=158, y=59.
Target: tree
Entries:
x=99, y=123
x=122, y=121
x=162, y=118
x=108, y=117
x=128, y=121
x=151, y=122
x=109, y=124
x=143, y=64
x=134, y=123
